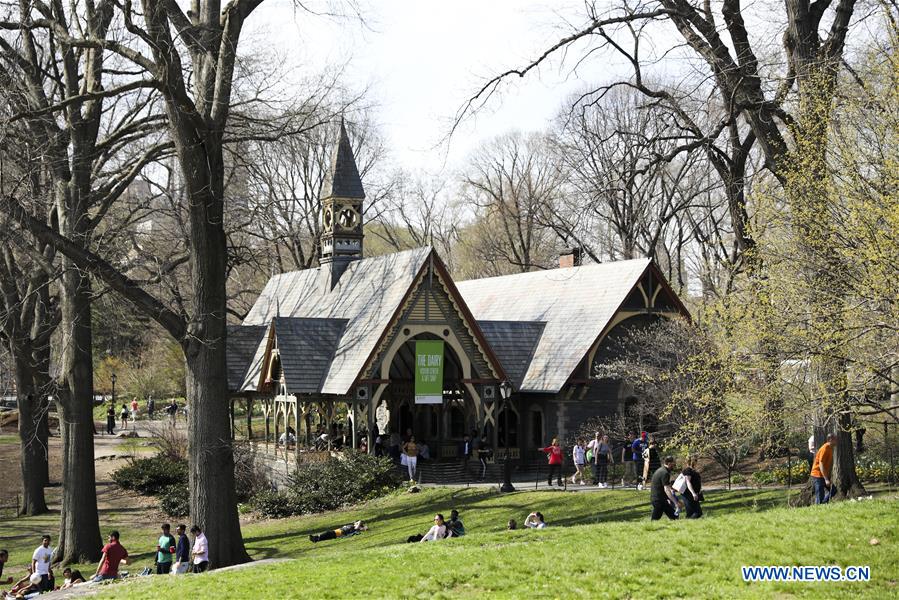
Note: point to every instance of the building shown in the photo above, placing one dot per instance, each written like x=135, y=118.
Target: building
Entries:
x=354, y=339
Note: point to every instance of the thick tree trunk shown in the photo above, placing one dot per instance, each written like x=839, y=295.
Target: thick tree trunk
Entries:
x=33, y=441
x=844, y=477
x=213, y=501
x=79, y=539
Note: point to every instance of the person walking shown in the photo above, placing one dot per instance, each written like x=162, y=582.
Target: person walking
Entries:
x=638, y=448
x=579, y=456
x=124, y=413
x=172, y=411
x=200, y=550
x=822, y=468
x=151, y=408
x=40, y=564
x=484, y=453
x=661, y=496
x=165, y=551
x=693, y=493
x=410, y=449
x=182, y=551
x=554, y=454
x=602, y=458
x=135, y=408
x=110, y=419
x=627, y=459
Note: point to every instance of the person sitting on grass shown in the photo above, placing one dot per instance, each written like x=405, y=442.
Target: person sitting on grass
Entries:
x=113, y=554
x=535, y=521
x=512, y=525
x=455, y=525
x=27, y=587
x=437, y=532
x=71, y=578
x=345, y=531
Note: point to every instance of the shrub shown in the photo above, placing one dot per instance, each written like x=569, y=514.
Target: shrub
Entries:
x=875, y=470
x=249, y=477
x=175, y=501
x=150, y=476
x=275, y=505
x=352, y=478
x=172, y=443
x=798, y=472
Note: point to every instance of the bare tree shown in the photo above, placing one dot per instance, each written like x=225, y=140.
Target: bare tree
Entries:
x=510, y=184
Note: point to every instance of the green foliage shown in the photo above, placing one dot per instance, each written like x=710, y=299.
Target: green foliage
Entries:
x=175, y=500
x=151, y=476
x=355, y=477
x=875, y=470
x=275, y=505
x=796, y=472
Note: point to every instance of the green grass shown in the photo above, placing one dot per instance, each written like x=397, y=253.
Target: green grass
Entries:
x=598, y=545
x=8, y=438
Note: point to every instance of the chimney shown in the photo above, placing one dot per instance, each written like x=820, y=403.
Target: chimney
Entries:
x=570, y=257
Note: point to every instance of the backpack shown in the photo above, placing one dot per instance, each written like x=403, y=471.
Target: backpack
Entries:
x=590, y=455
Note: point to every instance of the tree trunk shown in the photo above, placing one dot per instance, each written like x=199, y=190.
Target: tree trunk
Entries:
x=844, y=477
x=213, y=501
x=33, y=441
x=79, y=539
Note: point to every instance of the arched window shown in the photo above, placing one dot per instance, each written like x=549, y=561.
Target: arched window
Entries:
x=456, y=421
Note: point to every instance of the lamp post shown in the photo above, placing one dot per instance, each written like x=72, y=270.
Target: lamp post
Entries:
x=112, y=378
x=505, y=392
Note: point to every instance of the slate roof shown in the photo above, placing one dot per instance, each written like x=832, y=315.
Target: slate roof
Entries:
x=344, y=181
x=241, y=348
x=307, y=347
x=514, y=343
x=574, y=303
x=367, y=295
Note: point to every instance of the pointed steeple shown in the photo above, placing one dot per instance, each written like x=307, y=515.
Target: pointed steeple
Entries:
x=344, y=180
x=342, y=198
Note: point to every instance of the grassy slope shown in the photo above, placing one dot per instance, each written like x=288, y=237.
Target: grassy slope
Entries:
x=582, y=553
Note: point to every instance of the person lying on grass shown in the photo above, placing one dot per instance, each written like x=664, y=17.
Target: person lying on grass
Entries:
x=345, y=531
x=28, y=586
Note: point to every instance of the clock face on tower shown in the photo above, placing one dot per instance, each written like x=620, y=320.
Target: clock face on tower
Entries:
x=347, y=218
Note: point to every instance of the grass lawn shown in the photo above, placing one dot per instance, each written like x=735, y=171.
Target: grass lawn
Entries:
x=597, y=544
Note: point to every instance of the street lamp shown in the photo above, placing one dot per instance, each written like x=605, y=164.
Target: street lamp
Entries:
x=112, y=378
x=505, y=392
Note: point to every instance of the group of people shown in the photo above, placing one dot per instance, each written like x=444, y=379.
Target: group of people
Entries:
x=440, y=530
x=599, y=454
x=666, y=497
x=131, y=413
x=173, y=556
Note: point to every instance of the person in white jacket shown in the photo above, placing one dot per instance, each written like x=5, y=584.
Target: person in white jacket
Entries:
x=437, y=532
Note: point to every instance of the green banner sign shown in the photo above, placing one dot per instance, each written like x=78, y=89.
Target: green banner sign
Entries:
x=428, y=371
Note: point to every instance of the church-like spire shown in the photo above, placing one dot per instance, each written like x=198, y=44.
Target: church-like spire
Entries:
x=344, y=180
x=342, y=198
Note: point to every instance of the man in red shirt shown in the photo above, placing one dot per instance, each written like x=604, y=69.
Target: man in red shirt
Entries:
x=113, y=554
x=554, y=454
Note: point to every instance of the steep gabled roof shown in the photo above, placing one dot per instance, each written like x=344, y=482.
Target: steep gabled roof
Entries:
x=514, y=343
x=575, y=304
x=344, y=180
x=367, y=296
x=306, y=348
x=243, y=341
